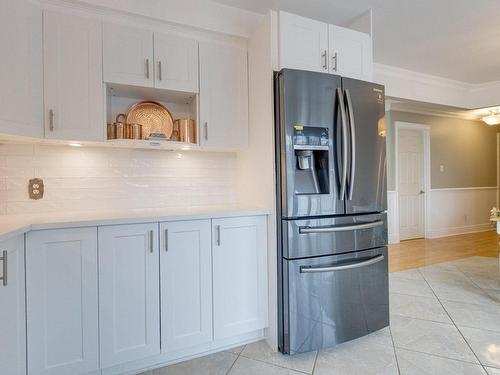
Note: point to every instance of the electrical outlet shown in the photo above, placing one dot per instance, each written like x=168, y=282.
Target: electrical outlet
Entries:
x=441, y=168
x=35, y=188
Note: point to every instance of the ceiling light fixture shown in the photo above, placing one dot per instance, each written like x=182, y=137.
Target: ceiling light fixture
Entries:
x=493, y=118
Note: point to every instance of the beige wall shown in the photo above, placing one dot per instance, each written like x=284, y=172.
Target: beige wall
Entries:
x=467, y=149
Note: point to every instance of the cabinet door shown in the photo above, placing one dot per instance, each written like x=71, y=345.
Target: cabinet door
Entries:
x=128, y=55
x=176, y=60
x=239, y=275
x=73, y=88
x=186, y=284
x=129, y=293
x=21, y=72
x=303, y=43
x=223, y=96
x=62, y=310
x=350, y=53
x=12, y=310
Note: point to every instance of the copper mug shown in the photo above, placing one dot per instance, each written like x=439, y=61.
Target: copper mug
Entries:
x=117, y=130
x=187, y=131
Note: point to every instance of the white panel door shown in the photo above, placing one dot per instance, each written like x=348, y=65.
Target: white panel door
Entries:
x=303, y=43
x=239, y=275
x=223, y=95
x=186, y=284
x=21, y=72
x=12, y=308
x=62, y=302
x=411, y=185
x=129, y=296
x=176, y=60
x=128, y=55
x=73, y=88
x=350, y=53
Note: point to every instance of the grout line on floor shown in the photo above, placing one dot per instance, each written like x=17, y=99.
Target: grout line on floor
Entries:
x=447, y=313
x=394, y=349
x=276, y=365
x=237, y=356
x=315, y=360
x=439, y=356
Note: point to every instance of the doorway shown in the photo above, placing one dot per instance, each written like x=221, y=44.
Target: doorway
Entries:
x=412, y=178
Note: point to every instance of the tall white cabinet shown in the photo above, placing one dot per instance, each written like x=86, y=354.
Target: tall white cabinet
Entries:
x=21, y=69
x=12, y=307
x=62, y=302
x=73, y=88
x=239, y=275
x=186, y=278
x=129, y=294
x=223, y=95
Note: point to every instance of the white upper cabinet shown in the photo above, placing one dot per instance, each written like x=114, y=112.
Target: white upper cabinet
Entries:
x=239, y=275
x=176, y=60
x=186, y=284
x=21, y=72
x=312, y=45
x=12, y=310
x=350, y=53
x=128, y=55
x=62, y=302
x=223, y=95
x=129, y=293
x=303, y=43
x=139, y=57
x=73, y=88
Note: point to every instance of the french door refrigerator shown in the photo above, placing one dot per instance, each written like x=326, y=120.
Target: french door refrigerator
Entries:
x=332, y=229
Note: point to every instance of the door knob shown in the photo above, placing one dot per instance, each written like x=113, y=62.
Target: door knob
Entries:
x=422, y=192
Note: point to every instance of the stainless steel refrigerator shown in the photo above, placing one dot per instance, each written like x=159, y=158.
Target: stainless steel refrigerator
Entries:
x=332, y=229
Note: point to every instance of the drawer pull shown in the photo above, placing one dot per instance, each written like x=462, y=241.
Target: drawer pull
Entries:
x=347, y=266
x=340, y=228
x=3, y=258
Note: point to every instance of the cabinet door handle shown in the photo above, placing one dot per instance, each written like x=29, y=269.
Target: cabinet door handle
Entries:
x=166, y=239
x=51, y=120
x=325, y=60
x=147, y=68
x=151, y=241
x=334, y=61
x=217, y=233
x=3, y=258
x=206, y=131
x=159, y=70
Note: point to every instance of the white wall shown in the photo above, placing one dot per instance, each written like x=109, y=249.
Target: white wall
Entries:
x=452, y=212
x=78, y=179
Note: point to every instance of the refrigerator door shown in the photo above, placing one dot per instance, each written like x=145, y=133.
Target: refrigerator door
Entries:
x=329, y=300
x=305, y=238
x=308, y=103
x=366, y=182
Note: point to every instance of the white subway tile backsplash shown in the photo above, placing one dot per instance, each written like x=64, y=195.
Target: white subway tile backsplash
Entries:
x=82, y=179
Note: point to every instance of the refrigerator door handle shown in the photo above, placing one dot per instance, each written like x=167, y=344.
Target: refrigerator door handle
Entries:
x=343, y=179
x=340, y=228
x=345, y=266
x=352, y=127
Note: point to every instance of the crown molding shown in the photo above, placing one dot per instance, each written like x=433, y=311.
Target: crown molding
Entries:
x=411, y=85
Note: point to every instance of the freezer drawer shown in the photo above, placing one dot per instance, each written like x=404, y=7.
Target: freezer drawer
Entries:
x=317, y=237
x=329, y=300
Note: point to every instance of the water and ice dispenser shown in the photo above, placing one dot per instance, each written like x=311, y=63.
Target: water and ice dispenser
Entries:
x=312, y=150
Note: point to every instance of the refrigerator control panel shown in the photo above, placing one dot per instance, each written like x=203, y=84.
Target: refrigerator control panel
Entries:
x=310, y=136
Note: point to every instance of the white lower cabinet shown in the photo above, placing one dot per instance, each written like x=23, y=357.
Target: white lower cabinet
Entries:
x=239, y=275
x=129, y=295
x=12, y=308
x=186, y=284
x=62, y=302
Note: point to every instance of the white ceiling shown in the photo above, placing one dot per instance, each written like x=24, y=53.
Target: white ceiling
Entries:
x=456, y=39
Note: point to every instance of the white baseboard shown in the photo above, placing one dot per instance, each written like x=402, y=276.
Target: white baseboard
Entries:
x=446, y=232
x=394, y=238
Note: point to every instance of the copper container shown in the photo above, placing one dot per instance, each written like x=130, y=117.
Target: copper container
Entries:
x=187, y=132
x=134, y=131
x=117, y=130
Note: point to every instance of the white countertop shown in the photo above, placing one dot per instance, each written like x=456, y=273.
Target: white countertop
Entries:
x=13, y=225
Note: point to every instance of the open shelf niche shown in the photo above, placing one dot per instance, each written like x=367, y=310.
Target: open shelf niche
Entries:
x=182, y=105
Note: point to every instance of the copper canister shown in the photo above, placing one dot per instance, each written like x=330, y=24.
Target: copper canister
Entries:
x=134, y=131
x=187, y=132
x=120, y=127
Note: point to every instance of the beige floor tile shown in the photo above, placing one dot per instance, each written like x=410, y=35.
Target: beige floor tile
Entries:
x=213, y=364
x=427, y=308
x=409, y=287
x=486, y=345
x=369, y=355
x=473, y=315
x=430, y=337
x=247, y=366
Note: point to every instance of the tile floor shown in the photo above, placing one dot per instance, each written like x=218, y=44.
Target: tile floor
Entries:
x=445, y=320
